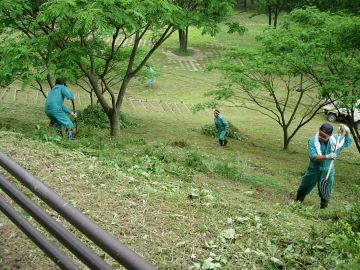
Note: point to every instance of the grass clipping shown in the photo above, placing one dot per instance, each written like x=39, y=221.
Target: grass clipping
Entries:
x=233, y=132
x=94, y=116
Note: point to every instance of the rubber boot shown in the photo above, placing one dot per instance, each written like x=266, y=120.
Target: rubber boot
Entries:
x=323, y=203
x=71, y=135
x=299, y=197
x=59, y=133
x=225, y=142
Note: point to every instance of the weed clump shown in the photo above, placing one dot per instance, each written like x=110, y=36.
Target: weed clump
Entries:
x=94, y=116
x=343, y=244
x=233, y=132
x=174, y=159
x=180, y=144
x=195, y=161
x=353, y=217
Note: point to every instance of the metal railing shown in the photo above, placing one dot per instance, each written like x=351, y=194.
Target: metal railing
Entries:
x=126, y=257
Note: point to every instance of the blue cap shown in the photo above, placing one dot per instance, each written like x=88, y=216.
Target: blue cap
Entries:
x=327, y=128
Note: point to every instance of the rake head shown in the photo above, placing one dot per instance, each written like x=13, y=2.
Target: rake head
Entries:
x=324, y=188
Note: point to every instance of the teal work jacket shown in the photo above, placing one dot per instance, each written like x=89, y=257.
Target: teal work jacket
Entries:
x=222, y=126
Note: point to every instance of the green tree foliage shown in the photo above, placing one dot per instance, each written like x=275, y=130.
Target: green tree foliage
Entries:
x=206, y=15
x=95, y=117
x=263, y=82
x=329, y=47
x=86, y=39
x=310, y=53
x=273, y=8
x=24, y=53
x=352, y=6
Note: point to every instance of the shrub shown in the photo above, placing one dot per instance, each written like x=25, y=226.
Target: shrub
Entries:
x=234, y=171
x=94, y=116
x=228, y=170
x=353, y=217
x=178, y=161
x=233, y=132
x=195, y=161
x=345, y=245
x=42, y=135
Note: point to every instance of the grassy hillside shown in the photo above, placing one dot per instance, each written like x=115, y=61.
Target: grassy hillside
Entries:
x=177, y=198
x=172, y=194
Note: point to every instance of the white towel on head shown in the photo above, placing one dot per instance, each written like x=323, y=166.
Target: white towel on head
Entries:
x=332, y=142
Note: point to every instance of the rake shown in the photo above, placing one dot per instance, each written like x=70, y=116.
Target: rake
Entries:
x=324, y=182
x=75, y=119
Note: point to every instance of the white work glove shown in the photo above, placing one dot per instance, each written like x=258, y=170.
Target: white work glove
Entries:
x=74, y=114
x=344, y=128
x=331, y=156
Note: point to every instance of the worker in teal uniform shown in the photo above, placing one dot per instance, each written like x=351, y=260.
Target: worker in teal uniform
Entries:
x=57, y=112
x=151, y=79
x=321, y=152
x=222, y=126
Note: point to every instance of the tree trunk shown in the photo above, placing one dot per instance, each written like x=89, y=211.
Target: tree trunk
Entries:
x=286, y=140
x=183, y=39
x=91, y=98
x=350, y=121
x=50, y=81
x=269, y=12
x=356, y=138
x=245, y=4
x=276, y=14
x=114, y=123
x=115, y=111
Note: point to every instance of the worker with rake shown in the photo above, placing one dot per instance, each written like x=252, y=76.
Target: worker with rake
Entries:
x=151, y=79
x=222, y=126
x=324, y=147
x=57, y=112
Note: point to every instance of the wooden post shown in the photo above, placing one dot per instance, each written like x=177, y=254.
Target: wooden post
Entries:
x=79, y=99
x=2, y=97
x=15, y=95
x=132, y=104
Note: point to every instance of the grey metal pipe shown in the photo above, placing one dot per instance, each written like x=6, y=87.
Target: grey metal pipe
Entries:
x=42, y=242
x=56, y=229
x=126, y=257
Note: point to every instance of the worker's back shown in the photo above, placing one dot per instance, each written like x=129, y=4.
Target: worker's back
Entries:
x=55, y=98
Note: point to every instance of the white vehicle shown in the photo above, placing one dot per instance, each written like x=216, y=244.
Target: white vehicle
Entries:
x=340, y=114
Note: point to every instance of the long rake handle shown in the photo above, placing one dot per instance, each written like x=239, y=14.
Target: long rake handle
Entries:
x=75, y=120
x=73, y=105
x=332, y=161
x=329, y=170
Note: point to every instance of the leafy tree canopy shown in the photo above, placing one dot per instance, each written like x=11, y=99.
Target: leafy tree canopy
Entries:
x=86, y=39
x=316, y=53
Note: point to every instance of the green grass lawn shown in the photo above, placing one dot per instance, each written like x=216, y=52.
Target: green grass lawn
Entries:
x=178, y=206
x=172, y=194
